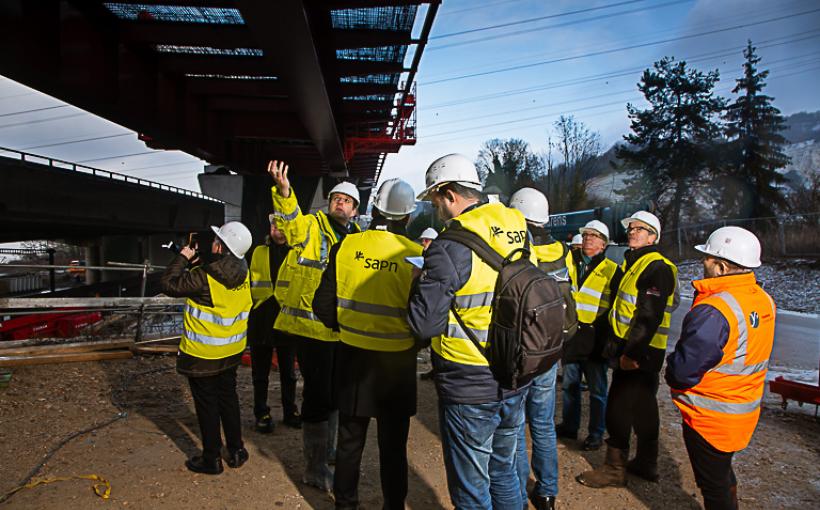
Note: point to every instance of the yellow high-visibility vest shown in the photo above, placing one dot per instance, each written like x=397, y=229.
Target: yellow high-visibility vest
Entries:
x=592, y=299
x=310, y=237
x=218, y=331
x=624, y=304
x=505, y=230
x=372, y=285
x=261, y=283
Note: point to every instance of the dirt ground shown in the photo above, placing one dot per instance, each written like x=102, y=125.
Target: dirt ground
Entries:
x=142, y=453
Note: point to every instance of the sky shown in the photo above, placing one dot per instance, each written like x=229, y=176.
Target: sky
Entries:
x=548, y=58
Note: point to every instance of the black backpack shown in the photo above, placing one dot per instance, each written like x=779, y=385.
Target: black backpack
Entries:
x=526, y=328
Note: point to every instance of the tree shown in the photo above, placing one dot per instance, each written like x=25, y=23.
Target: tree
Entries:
x=579, y=148
x=753, y=127
x=507, y=165
x=671, y=142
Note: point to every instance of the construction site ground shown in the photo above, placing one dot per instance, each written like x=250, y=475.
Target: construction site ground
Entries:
x=142, y=453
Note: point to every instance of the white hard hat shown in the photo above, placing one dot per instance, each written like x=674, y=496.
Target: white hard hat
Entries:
x=734, y=244
x=532, y=204
x=429, y=233
x=645, y=217
x=346, y=188
x=236, y=237
x=577, y=239
x=395, y=199
x=596, y=226
x=450, y=168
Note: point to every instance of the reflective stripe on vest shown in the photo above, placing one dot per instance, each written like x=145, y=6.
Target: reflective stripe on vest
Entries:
x=592, y=299
x=372, y=284
x=504, y=229
x=624, y=304
x=218, y=331
x=725, y=405
x=717, y=405
x=300, y=275
x=261, y=284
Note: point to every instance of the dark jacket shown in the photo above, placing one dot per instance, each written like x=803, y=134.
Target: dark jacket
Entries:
x=700, y=348
x=261, y=319
x=447, y=267
x=366, y=383
x=590, y=339
x=559, y=271
x=177, y=281
x=655, y=284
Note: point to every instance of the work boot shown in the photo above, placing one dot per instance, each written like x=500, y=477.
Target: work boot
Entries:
x=317, y=474
x=611, y=474
x=645, y=463
x=264, y=424
x=293, y=421
x=236, y=458
x=199, y=464
x=542, y=502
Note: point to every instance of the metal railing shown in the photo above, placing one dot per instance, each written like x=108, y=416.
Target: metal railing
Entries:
x=793, y=235
x=98, y=172
x=144, y=268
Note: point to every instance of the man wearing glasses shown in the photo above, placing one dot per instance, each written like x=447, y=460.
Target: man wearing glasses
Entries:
x=644, y=290
x=311, y=236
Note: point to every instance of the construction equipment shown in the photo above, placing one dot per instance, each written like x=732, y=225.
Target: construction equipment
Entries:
x=799, y=392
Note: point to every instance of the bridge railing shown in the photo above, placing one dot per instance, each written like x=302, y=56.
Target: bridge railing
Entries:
x=99, y=172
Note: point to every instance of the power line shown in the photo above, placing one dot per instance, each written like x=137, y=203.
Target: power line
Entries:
x=119, y=156
x=75, y=141
x=484, y=5
x=623, y=48
x=50, y=119
x=533, y=20
x=32, y=111
x=769, y=43
x=627, y=38
x=568, y=112
x=164, y=164
x=608, y=94
x=558, y=25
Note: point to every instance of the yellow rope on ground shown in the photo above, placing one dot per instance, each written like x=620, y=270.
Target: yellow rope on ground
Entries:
x=101, y=489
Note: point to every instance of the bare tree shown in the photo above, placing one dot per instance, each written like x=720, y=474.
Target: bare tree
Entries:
x=578, y=147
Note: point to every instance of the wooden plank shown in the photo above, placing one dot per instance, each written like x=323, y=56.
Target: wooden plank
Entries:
x=65, y=348
x=88, y=302
x=45, y=359
x=155, y=349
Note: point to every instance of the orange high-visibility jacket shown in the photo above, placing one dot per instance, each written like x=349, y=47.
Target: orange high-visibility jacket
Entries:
x=725, y=405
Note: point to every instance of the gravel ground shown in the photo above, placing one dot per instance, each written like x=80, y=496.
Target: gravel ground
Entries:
x=142, y=454
x=793, y=283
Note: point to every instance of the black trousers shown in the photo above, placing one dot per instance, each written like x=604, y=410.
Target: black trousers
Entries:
x=316, y=360
x=713, y=471
x=392, y=437
x=216, y=401
x=632, y=404
x=261, y=355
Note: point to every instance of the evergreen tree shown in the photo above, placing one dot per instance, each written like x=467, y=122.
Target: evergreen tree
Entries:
x=670, y=147
x=753, y=127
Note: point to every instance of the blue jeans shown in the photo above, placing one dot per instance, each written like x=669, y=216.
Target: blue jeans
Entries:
x=540, y=410
x=595, y=372
x=479, y=443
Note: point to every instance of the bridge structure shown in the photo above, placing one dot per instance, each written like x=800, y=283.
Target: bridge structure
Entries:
x=326, y=85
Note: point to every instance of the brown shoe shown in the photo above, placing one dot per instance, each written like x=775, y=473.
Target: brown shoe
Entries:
x=611, y=474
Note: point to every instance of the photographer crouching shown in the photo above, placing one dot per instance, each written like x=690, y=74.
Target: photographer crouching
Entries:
x=215, y=328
